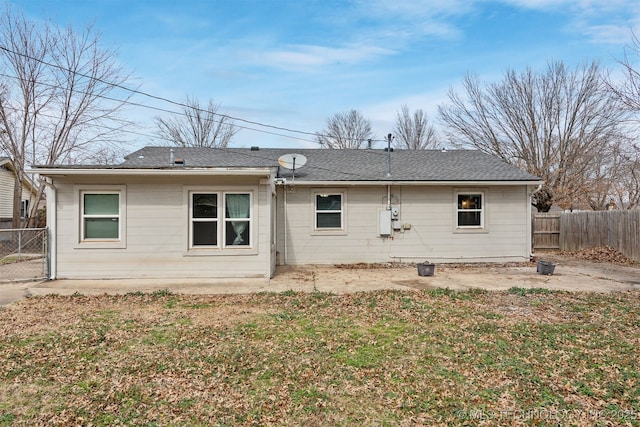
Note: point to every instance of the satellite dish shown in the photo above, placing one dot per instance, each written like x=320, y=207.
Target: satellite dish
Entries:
x=292, y=161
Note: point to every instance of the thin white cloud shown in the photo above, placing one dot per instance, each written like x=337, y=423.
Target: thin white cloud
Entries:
x=366, y=31
x=308, y=57
x=404, y=19
x=601, y=21
x=607, y=34
x=415, y=10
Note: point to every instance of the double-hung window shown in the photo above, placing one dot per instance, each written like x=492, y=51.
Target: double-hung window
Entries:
x=470, y=210
x=220, y=220
x=237, y=218
x=101, y=216
x=204, y=219
x=329, y=211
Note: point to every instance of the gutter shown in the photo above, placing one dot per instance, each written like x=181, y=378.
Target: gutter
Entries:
x=409, y=183
x=177, y=171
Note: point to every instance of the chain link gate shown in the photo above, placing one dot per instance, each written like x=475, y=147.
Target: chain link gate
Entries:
x=24, y=254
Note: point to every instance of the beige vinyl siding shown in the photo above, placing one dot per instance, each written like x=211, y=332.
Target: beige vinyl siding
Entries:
x=431, y=214
x=7, y=181
x=157, y=234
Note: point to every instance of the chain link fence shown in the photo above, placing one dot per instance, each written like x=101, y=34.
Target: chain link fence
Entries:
x=23, y=254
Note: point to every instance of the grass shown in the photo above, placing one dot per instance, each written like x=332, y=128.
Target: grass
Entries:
x=520, y=357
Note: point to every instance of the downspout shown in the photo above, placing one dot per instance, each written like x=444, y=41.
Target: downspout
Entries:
x=529, y=225
x=52, y=221
x=284, y=208
x=282, y=183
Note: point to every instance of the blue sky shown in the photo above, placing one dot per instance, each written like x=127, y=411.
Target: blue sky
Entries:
x=293, y=64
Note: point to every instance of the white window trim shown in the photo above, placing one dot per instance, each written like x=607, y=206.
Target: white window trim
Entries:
x=225, y=220
x=221, y=248
x=482, y=228
x=216, y=220
x=342, y=230
x=78, y=193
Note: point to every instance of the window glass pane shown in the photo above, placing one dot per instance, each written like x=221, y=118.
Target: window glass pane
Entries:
x=100, y=228
x=328, y=220
x=24, y=209
x=101, y=204
x=205, y=205
x=237, y=233
x=469, y=218
x=205, y=233
x=328, y=202
x=469, y=201
x=237, y=205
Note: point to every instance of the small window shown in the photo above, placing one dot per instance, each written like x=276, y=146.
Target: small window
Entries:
x=204, y=219
x=100, y=216
x=470, y=211
x=329, y=211
x=24, y=209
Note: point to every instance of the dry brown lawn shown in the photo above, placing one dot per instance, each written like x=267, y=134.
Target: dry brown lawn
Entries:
x=433, y=357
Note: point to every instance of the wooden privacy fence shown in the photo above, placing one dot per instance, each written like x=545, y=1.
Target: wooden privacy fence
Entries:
x=546, y=231
x=572, y=231
x=618, y=229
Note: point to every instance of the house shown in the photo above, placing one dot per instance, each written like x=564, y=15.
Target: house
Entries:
x=7, y=185
x=235, y=212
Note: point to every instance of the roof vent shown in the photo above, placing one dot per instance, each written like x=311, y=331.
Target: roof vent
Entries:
x=179, y=162
x=255, y=148
x=388, y=149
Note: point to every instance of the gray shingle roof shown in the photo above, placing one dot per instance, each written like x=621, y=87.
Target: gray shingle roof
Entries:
x=342, y=165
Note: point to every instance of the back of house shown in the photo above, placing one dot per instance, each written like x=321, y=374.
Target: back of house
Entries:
x=217, y=213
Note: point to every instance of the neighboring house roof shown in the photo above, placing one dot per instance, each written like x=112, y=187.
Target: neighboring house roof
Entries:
x=334, y=165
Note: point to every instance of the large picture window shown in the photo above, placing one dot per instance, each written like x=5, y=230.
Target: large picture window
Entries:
x=220, y=219
x=100, y=216
x=470, y=213
x=329, y=211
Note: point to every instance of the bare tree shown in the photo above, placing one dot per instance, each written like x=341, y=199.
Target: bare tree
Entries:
x=55, y=103
x=628, y=91
x=345, y=130
x=626, y=191
x=197, y=126
x=414, y=132
x=557, y=125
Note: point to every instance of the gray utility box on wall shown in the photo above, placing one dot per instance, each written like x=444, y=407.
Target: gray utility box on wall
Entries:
x=384, y=222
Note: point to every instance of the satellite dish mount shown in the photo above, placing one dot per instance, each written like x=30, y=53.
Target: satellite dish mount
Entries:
x=292, y=161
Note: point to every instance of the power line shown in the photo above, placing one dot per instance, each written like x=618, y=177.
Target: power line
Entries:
x=158, y=137
x=160, y=98
x=164, y=110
